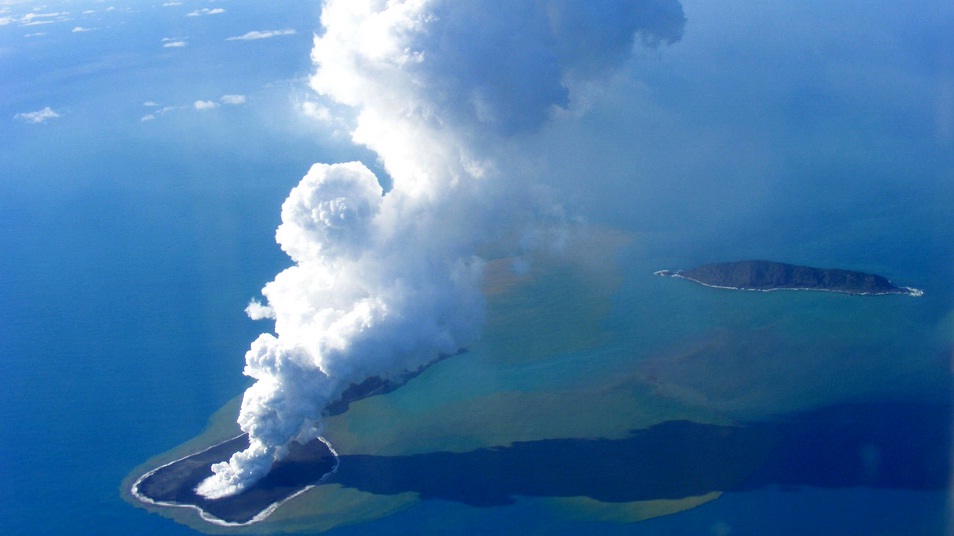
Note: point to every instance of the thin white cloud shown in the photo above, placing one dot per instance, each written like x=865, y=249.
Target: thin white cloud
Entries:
x=171, y=4
x=35, y=19
x=160, y=111
x=233, y=99
x=205, y=105
x=205, y=11
x=31, y=16
x=253, y=35
x=79, y=29
x=198, y=106
x=316, y=111
x=40, y=116
x=175, y=44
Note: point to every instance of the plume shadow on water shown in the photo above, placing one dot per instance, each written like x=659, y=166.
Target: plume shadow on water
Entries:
x=896, y=446
x=884, y=445
x=670, y=460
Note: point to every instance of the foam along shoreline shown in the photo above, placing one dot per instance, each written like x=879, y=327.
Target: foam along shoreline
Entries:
x=173, y=484
x=767, y=276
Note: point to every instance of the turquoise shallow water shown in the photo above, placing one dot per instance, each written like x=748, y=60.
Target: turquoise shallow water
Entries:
x=858, y=386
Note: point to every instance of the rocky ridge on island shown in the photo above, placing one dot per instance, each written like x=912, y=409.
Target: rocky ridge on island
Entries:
x=764, y=275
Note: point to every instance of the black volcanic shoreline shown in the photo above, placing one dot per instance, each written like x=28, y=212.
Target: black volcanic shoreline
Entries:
x=768, y=275
x=174, y=484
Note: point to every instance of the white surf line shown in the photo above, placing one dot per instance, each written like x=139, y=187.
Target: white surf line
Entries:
x=206, y=516
x=148, y=500
x=911, y=291
x=908, y=291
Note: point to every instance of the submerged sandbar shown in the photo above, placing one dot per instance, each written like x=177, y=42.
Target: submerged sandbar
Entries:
x=769, y=275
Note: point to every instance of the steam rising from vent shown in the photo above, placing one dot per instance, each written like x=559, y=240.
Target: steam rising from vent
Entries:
x=385, y=283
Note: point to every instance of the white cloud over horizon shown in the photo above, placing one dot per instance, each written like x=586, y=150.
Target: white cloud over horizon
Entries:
x=267, y=34
x=174, y=42
x=199, y=105
x=233, y=99
x=34, y=18
x=205, y=11
x=316, y=111
x=160, y=111
x=205, y=105
x=38, y=22
x=40, y=116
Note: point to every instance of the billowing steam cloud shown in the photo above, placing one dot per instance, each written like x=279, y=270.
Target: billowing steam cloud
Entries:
x=386, y=282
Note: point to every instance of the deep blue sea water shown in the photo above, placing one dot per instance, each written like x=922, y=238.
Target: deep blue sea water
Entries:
x=121, y=336
x=129, y=248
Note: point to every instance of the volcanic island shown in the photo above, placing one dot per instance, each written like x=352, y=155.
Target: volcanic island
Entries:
x=305, y=465
x=765, y=276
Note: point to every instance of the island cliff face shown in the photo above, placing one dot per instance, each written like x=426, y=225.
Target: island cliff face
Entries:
x=768, y=275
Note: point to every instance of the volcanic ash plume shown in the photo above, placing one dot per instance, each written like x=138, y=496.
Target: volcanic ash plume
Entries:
x=384, y=283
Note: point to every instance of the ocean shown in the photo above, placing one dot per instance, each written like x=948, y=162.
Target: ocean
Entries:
x=131, y=246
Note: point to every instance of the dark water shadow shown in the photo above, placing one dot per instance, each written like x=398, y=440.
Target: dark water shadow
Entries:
x=898, y=446
x=668, y=461
x=885, y=445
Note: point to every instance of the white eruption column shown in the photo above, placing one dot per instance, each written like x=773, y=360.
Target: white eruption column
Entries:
x=386, y=282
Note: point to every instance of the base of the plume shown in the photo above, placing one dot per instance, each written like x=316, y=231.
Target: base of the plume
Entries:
x=305, y=466
x=174, y=484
